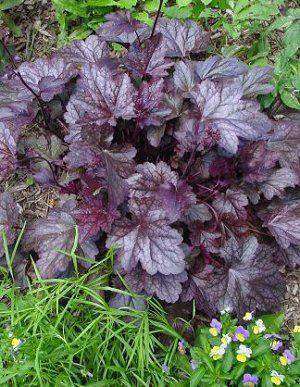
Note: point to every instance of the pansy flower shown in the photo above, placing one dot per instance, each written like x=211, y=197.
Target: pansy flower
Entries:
x=296, y=329
x=243, y=353
x=287, y=358
x=193, y=365
x=226, y=340
x=217, y=352
x=276, y=378
x=225, y=310
x=215, y=327
x=15, y=343
x=276, y=345
x=248, y=316
x=241, y=334
x=259, y=327
x=165, y=368
x=181, y=346
x=250, y=380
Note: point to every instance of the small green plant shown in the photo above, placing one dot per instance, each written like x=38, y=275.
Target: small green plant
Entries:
x=254, y=352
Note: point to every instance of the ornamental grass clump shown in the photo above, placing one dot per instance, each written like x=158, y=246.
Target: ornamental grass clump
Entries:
x=162, y=152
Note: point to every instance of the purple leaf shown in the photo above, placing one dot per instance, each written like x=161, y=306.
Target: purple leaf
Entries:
x=194, y=135
x=182, y=39
x=47, y=77
x=155, y=134
x=149, y=105
x=91, y=50
x=122, y=28
x=283, y=221
x=257, y=81
x=249, y=280
x=9, y=219
x=8, y=151
x=49, y=235
x=184, y=76
x=217, y=67
x=101, y=98
x=159, y=183
x=280, y=179
x=199, y=212
x=220, y=106
x=232, y=203
x=285, y=141
x=165, y=287
x=148, y=59
x=126, y=301
x=148, y=239
x=289, y=257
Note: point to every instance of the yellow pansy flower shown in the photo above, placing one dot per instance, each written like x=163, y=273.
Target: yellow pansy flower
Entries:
x=276, y=378
x=213, y=331
x=241, y=357
x=248, y=316
x=296, y=329
x=15, y=342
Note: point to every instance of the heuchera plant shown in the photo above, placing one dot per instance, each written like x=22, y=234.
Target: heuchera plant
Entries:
x=164, y=154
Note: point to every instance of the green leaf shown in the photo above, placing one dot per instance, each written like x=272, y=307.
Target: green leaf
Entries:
x=178, y=13
x=206, y=2
x=291, y=38
x=101, y=3
x=227, y=360
x=289, y=99
x=262, y=347
x=294, y=368
x=8, y=4
x=183, y=3
x=127, y=4
x=231, y=30
x=273, y=322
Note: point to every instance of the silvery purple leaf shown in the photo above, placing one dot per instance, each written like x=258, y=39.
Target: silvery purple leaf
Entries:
x=148, y=59
x=9, y=219
x=165, y=287
x=101, y=98
x=289, y=257
x=150, y=107
x=160, y=183
x=283, y=221
x=91, y=50
x=285, y=141
x=233, y=202
x=257, y=81
x=8, y=151
x=148, y=239
x=155, y=134
x=217, y=67
x=120, y=27
x=220, y=106
x=47, y=77
x=49, y=235
x=278, y=180
x=126, y=301
x=182, y=39
x=249, y=280
x=184, y=76
x=199, y=212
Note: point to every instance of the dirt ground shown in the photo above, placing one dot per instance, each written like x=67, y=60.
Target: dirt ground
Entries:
x=38, y=37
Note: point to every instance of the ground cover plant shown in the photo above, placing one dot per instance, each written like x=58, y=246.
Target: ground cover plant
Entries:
x=161, y=152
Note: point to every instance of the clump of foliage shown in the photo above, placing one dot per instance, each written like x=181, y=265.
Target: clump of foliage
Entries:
x=160, y=153
x=258, y=352
x=63, y=332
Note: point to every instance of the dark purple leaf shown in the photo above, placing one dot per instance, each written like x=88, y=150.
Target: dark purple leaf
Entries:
x=232, y=203
x=120, y=27
x=278, y=180
x=182, y=39
x=148, y=59
x=289, y=257
x=165, y=287
x=217, y=67
x=249, y=280
x=49, y=235
x=91, y=50
x=257, y=81
x=155, y=134
x=8, y=151
x=184, y=76
x=9, y=219
x=159, y=183
x=148, y=239
x=47, y=77
x=121, y=300
x=285, y=141
x=283, y=221
x=149, y=105
x=199, y=212
x=220, y=106
x=101, y=98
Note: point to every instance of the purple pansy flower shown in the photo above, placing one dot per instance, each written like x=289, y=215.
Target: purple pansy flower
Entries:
x=193, y=364
x=241, y=334
x=289, y=356
x=250, y=380
x=276, y=345
x=272, y=336
x=216, y=324
x=165, y=368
